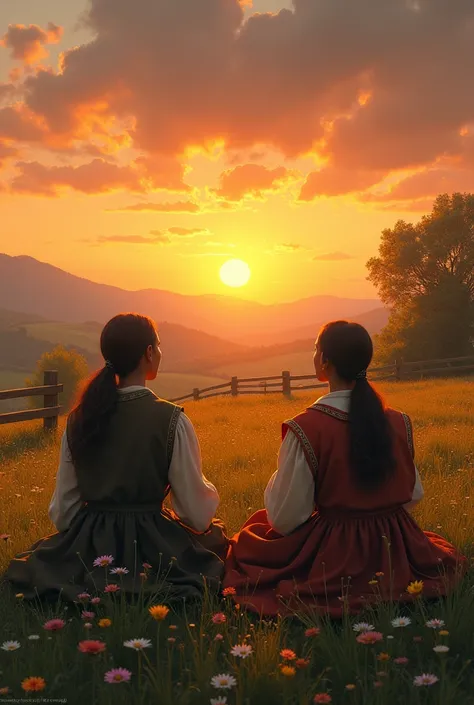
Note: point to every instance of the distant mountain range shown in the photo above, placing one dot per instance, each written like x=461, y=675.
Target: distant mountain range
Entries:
x=39, y=289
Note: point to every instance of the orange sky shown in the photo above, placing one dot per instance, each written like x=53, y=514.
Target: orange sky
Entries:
x=291, y=157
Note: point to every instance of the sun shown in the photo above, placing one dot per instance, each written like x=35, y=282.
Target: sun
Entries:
x=235, y=273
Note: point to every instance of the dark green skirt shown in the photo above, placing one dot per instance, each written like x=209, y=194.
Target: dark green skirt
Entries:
x=176, y=559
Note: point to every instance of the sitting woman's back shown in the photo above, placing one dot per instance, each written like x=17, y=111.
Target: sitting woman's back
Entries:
x=336, y=534
x=124, y=450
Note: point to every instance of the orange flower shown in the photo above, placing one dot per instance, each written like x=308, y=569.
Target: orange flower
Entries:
x=104, y=622
x=313, y=631
x=383, y=656
x=288, y=654
x=379, y=574
x=159, y=612
x=33, y=684
x=443, y=632
x=288, y=671
x=415, y=588
x=91, y=646
x=5, y=690
x=302, y=662
x=229, y=591
x=322, y=698
x=351, y=686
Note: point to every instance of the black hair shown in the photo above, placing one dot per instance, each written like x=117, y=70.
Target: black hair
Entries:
x=123, y=343
x=349, y=348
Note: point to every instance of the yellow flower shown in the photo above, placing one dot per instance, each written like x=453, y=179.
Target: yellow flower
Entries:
x=105, y=622
x=33, y=683
x=415, y=588
x=19, y=595
x=350, y=686
x=159, y=612
x=443, y=632
x=288, y=671
x=373, y=582
x=383, y=656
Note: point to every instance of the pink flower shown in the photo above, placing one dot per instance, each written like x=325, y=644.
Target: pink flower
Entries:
x=111, y=588
x=83, y=596
x=313, y=631
x=401, y=661
x=369, y=637
x=53, y=625
x=91, y=646
x=118, y=675
x=147, y=566
x=87, y=625
x=378, y=684
x=95, y=600
x=103, y=561
x=219, y=618
x=171, y=640
x=87, y=615
x=417, y=639
x=322, y=698
x=218, y=637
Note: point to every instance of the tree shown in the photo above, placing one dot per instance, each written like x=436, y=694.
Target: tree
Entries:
x=425, y=273
x=72, y=369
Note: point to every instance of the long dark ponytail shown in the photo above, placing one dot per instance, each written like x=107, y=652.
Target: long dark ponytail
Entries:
x=348, y=347
x=123, y=343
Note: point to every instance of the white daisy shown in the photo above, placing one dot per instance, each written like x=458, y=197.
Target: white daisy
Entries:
x=224, y=681
x=10, y=645
x=119, y=571
x=401, y=622
x=435, y=623
x=219, y=701
x=241, y=650
x=441, y=649
x=33, y=637
x=363, y=627
x=137, y=644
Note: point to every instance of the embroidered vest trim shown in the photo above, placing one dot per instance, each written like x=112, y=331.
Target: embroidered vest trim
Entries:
x=308, y=448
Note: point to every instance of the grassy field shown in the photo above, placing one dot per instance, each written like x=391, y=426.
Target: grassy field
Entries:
x=240, y=439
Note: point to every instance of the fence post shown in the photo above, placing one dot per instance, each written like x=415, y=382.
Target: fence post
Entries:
x=286, y=383
x=397, y=370
x=196, y=396
x=50, y=378
x=234, y=386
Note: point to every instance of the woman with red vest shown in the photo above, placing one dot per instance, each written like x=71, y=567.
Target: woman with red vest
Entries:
x=337, y=534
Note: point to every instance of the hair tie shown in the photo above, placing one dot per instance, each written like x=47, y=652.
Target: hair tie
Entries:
x=109, y=365
x=361, y=375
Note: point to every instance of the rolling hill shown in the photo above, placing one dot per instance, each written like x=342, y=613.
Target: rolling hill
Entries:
x=43, y=290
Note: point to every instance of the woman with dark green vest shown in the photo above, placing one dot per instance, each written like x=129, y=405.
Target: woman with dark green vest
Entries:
x=123, y=452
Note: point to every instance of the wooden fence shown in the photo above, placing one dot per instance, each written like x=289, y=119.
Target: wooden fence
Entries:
x=286, y=383
x=51, y=409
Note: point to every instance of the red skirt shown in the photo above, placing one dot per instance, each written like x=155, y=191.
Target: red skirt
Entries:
x=336, y=563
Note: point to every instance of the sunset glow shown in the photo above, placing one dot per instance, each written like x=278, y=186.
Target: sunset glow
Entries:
x=152, y=166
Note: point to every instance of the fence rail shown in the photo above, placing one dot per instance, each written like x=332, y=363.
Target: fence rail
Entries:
x=286, y=383
x=51, y=409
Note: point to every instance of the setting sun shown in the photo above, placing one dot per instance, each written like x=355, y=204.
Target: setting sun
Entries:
x=235, y=273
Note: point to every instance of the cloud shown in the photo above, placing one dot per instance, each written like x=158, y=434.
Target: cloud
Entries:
x=187, y=232
x=250, y=180
x=332, y=257
x=7, y=152
x=332, y=181
x=95, y=177
x=288, y=247
x=371, y=87
x=177, y=207
x=27, y=43
x=155, y=239
x=19, y=124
